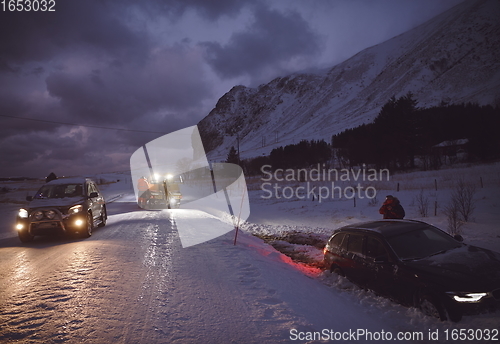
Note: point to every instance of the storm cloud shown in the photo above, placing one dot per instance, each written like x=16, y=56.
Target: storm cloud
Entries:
x=171, y=79
x=83, y=87
x=273, y=41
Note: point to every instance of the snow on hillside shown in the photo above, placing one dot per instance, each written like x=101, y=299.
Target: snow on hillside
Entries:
x=452, y=58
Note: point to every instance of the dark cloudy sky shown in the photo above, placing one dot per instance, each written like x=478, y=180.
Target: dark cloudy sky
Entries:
x=155, y=66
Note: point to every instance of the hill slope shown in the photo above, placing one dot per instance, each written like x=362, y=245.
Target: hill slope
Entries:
x=452, y=58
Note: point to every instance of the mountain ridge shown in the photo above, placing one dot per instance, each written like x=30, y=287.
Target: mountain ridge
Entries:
x=449, y=59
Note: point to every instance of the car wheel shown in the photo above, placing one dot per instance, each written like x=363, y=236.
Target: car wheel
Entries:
x=89, y=226
x=104, y=217
x=335, y=269
x=430, y=306
x=25, y=236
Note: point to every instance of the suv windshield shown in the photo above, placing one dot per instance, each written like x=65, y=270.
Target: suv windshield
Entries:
x=421, y=243
x=60, y=191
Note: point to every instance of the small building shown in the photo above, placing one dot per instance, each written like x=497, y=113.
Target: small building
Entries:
x=452, y=151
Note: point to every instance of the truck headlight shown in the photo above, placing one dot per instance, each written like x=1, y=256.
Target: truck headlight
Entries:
x=467, y=297
x=23, y=213
x=75, y=209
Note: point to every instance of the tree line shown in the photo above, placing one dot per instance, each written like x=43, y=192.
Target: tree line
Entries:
x=402, y=131
x=300, y=155
x=401, y=134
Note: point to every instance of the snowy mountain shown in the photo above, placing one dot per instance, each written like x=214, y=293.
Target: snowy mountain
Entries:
x=452, y=58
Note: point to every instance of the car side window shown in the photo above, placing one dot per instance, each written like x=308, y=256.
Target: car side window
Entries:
x=336, y=241
x=355, y=244
x=343, y=246
x=375, y=249
x=90, y=188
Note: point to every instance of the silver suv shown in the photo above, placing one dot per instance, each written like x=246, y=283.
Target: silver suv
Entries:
x=68, y=205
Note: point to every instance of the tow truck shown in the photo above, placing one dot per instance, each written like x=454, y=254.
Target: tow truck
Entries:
x=163, y=192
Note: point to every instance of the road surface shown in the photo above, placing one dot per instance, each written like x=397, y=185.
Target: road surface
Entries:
x=125, y=284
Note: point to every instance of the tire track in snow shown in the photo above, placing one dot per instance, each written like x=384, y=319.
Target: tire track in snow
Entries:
x=156, y=282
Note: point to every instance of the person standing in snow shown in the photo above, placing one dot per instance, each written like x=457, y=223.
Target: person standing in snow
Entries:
x=144, y=193
x=392, y=208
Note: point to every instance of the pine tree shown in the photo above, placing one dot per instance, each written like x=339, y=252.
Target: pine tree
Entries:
x=232, y=156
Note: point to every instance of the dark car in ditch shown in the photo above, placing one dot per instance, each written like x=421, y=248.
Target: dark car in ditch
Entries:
x=417, y=265
x=62, y=206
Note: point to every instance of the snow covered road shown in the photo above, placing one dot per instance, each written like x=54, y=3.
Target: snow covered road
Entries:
x=132, y=282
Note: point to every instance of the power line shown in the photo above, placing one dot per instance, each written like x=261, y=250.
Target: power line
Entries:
x=83, y=125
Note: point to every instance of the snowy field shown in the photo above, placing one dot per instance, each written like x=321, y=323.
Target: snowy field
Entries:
x=272, y=215
x=132, y=282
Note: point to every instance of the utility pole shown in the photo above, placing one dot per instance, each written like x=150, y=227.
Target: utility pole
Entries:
x=238, y=145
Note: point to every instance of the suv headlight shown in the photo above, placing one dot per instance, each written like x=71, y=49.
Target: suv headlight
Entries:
x=23, y=213
x=38, y=215
x=75, y=209
x=467, y=297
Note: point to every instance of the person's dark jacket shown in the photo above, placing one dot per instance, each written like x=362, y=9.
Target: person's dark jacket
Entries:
x=392, y=209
